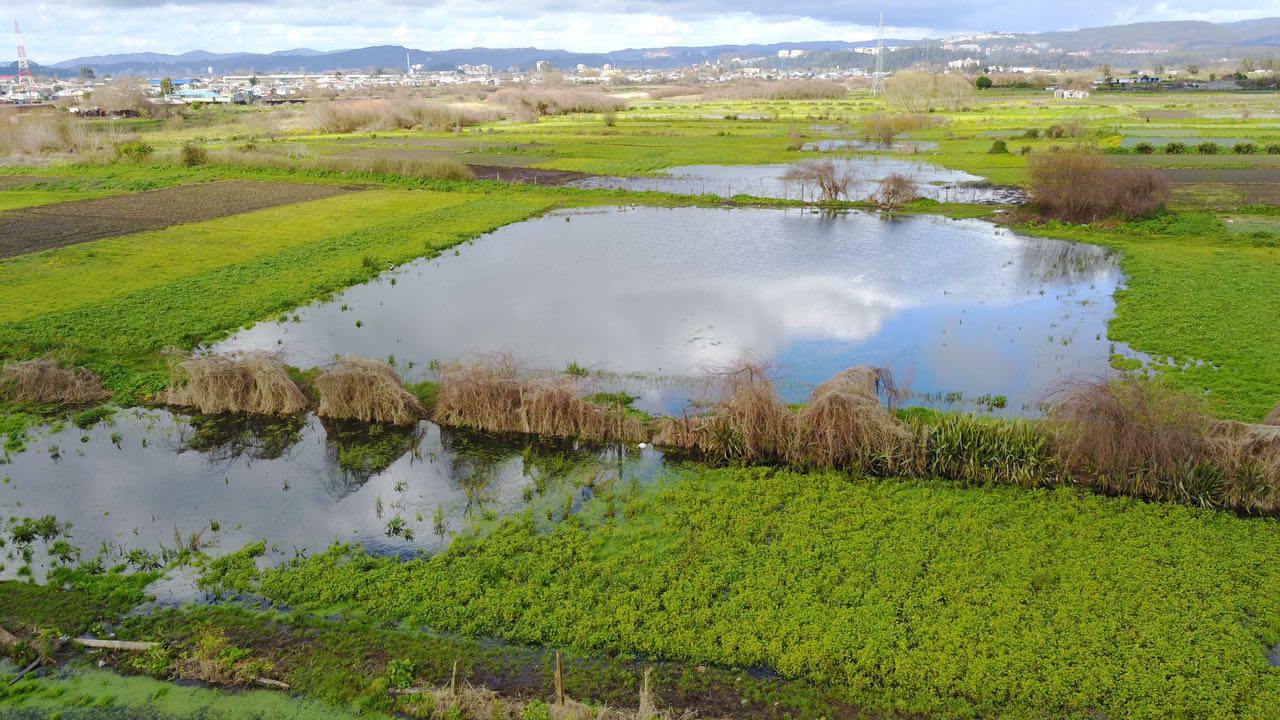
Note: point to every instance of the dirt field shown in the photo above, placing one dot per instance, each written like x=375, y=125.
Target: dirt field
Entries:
x=1254, y=185
x=49, y=226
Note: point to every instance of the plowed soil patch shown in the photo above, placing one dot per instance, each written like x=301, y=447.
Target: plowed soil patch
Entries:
x=49, y=226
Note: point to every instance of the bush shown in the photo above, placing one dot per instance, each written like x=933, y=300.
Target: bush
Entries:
x=402, y=113
x=194, y=154
x=1144, y=148
x=983, y=82
x=1175, y=148
x=881, y=128
x=1024, y=150
x=1080, y=186
x=823, y=176
x=999, y=147
x=133, y=150
x=1273, y=149
x=895, y=191
x=1032, y=134
x=1244, y=148
x=1208, y=148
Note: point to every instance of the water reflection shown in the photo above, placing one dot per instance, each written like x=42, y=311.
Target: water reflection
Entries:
x=963, y=306
x=148, y=480
x=767, y=181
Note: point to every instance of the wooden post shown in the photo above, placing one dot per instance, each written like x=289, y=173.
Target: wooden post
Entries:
x=455, y=682
x=559, y=680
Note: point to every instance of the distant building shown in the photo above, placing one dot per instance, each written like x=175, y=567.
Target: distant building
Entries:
x=543, y=66
x=1068, y=94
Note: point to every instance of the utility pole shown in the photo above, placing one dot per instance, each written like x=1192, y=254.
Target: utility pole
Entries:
x=24, y=68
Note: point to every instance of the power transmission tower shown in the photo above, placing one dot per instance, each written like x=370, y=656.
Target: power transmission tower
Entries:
x=877, y=78
x=24, y=68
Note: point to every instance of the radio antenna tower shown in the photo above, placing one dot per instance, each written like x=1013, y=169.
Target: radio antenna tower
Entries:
x=24, y=68
x=877, y=78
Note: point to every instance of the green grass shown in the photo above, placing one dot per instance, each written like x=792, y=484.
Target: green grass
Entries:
x=906, y=596
x=14, y=199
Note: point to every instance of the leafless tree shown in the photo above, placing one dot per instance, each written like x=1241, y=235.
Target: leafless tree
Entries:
x=824, y=176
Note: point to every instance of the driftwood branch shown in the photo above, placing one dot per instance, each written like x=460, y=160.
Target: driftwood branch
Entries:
x=8, y=638
x=268, y=682
x=34, y=664
x=116, y=644
x=416, y=690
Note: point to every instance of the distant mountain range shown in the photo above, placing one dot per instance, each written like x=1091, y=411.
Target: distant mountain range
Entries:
x=1179, y=40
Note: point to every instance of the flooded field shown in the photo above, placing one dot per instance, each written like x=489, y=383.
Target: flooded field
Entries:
x=767, y=181
x=964, y=312
x=144, y=484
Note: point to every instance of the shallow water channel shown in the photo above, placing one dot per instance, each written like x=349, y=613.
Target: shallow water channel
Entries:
x=155, y=481
x=651, y=298
x=767, y=181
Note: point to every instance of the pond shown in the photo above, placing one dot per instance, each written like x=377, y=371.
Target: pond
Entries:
x=652, y=298
x=768, y=181
x=836, y=145
x=147, y=482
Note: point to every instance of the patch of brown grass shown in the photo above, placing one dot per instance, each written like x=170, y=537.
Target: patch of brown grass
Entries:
x=845, y=426
x=1273, y=418
x=398, y=113
x=535, y=101
x=356, y=388
x=1081, y=186
x=778, y=90
x=44, y=381
x=555, y=407
x=255, y=383
x=1249, y=469
x=882, y=128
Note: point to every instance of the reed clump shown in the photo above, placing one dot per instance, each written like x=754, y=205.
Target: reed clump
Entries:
x=1273, y=418
x=556, y=407
x=746, y=422
x=845, y=426
x=356, y=388
x=46, y=382
x=249, y=382
x=482, y=394
x=895, y=191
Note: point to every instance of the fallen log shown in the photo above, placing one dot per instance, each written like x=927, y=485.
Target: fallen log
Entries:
x=131, y=645
x=272, y=683
x=419, y=690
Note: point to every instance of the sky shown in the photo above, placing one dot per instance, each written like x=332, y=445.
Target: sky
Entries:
x=56, y=30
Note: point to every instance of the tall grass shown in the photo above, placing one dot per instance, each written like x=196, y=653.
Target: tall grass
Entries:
x=882, y=128
x=402, y=113
x=421, y=168
x=534, y=101
x=38, y=133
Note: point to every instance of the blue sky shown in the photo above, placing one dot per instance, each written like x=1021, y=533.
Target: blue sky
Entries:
x=61, y=29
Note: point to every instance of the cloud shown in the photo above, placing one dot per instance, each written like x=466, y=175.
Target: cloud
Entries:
x=59, y=29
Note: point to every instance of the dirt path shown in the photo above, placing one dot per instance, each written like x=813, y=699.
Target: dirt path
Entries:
x=33, y=229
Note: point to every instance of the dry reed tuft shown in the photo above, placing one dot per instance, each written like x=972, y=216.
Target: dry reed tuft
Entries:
x=483, y=394
x=845, y=426
x=1248, y=469
x=747, y=422
x=44, y=381
x=1129, y=432
x=255, y=383
x=555, y=407
x=355, y=388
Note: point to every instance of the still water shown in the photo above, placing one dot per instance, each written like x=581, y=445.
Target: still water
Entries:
x=653, y=297
x=726, y=181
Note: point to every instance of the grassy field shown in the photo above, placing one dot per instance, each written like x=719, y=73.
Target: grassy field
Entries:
x=912, y=597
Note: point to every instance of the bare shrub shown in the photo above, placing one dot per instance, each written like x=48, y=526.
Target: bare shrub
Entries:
x=668, y=91
x=1080, y=186
x=251, y=382
x=45, y=381
x=1129, y=432
x=845, y=426
x=122, y=96
x=895, y=191
x=355, y=388
x=747, y=421
x=779, y=90
x=483, y=394
x=400, y=113
x=823, y=176
x=537, y=101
